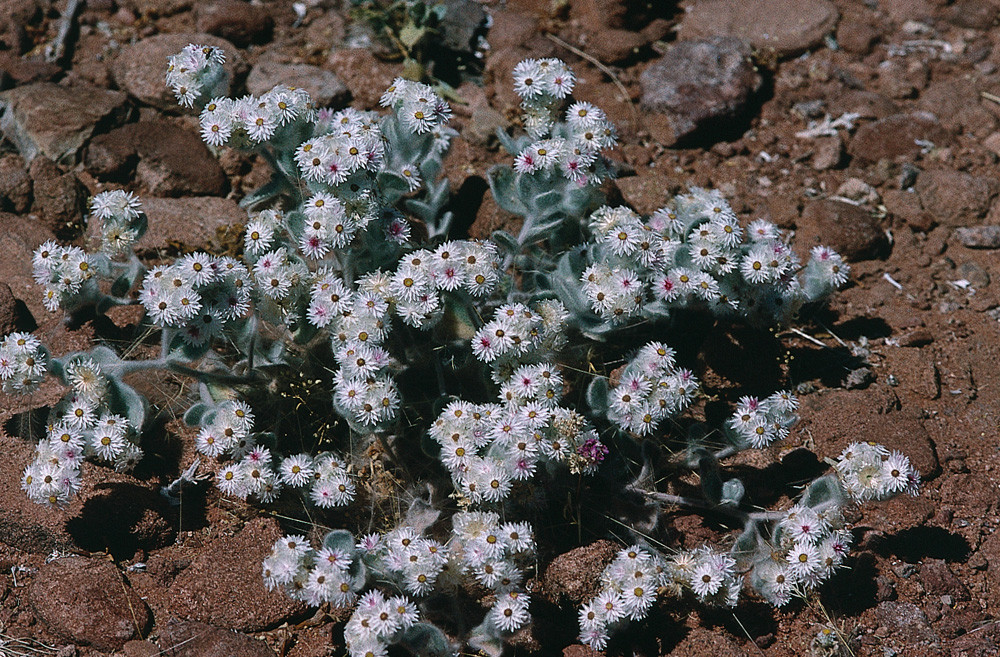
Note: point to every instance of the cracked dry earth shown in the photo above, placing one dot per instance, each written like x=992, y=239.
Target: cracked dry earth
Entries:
x=718, y=93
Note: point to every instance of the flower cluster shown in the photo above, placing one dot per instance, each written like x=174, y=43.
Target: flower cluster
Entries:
x=64, y=271
x=807, y=545
x=198, y=294
x=629, y=586
x=516, y=332
x=650, y=389
x=488, y=447
x=378, y=622
x=251, y=120
x=412, y=562
x=570, y=148
x=347, y=142
x=869, y=471
x=760, y=422
x=195, y=72
x=23, y=363
x=85, y=426
x=313, y=576
x=697, y=253
x=420, y=109
x=122, y=220
x=490, y=552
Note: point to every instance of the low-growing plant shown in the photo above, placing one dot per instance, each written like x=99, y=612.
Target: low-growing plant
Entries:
x=494, y=380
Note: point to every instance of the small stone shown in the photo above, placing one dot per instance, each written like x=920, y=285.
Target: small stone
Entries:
x=59, y=197
x=895, y=136
x=483, y=125
x=326, y=89
x=905, y=621
x=852, y=231
x=140, y=68
x=193, y=639
x=700, y=81
x=917, y=338
x=89, y=602
x=955, y=198
x=55, y=121
x=885, y=589
x=189, y=222
x=789, y=27
x=364, y=74
x=856, y=35
x=992, y=143
x=828, y=153
x=14, y=315
x=15, y=184
x=979, y=237
x=978, y=277
x=27, y=70
x=167, y=160
x=972, y=14
x=860, y=192
x=222, y=586
x=157, y=8
x=574, y=575
x=938, y=579
x=242, y=23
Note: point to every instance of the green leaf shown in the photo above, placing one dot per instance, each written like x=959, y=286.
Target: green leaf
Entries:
x=193, y=416
x=732, y=492
x=597, y=395
x=823, y=492
x=124, y=400
x=505, y=241
x=426, y=640
x=503, y=184
x=340, y=539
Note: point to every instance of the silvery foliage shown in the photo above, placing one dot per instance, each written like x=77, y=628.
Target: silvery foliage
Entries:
x=336, y=263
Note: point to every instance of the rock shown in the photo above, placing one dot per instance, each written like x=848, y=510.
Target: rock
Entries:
x=866, y=104
x=19, y=236
x=223, y=586
x=191, y=639
x=917, y=338
x=789, y=27
x=957, y=102
x=979, y=237
x=828, y=153
x=14, y=315
x=26, y=71
x=234, y=20
x=955, y=198
x=859, y=191
x=938, y=579
x=154, y=8
x=59, y=197
x=700, y=81
x=856, y=34
x=483, y=125
x=15, y=16
x=904, y=621
x=326, y=89
x=574, y=575
x=850, y=230
x=55, y=121
x=895, y=136
x=462, y=25
x=973, y=14
x=364, y=74
x=15, y=184
x=139, y=69
x=141, y=649
x=905, y=204
x=700, y=641
x=190, y=221
x=616, y=30
x=168, y=160
x=88, y=602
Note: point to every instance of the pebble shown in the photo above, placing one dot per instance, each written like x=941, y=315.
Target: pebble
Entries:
x=828, y=153
x=56, y=121
x=789, y=27
x=88, y=602
x=326, y=89
x=955, y=198
x=193, y=639
x=15, y=184
x=850, y=230
x=139, y=69
x=979, y=237
x=895, y=136
x=58, y=197
x=698, y=81
x=190, y=221
x=166, y=159
x=240, y=22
